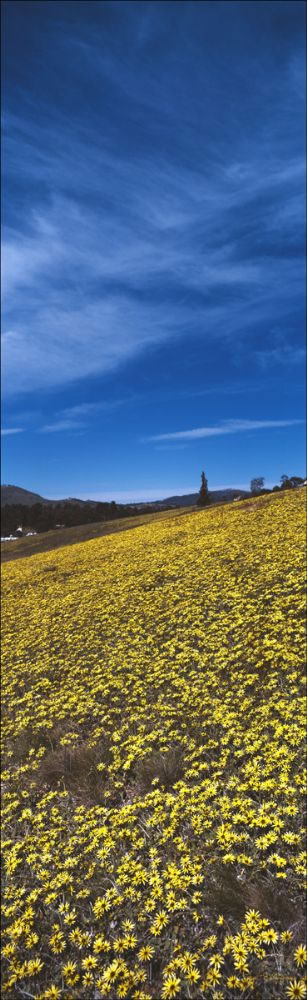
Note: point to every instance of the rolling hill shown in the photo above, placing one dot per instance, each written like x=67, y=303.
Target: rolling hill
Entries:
x=17, y=495
x=153, y=724
x=216, y=496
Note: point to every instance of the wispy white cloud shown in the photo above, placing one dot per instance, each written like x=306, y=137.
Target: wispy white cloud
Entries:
x=62, y=425
x=87, y=288
x=90, y=409
x=11, y=430
x=283, y=355
x=226, y=427
x=77, y=417
x=165, y=229
x=94, y=338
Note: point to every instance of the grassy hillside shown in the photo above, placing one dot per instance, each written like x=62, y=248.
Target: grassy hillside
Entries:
x=153, y=721
x=49, y=540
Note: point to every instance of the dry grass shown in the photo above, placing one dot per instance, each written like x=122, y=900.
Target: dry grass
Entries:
x=70, y=767
x=162, y=768
x=58, y=538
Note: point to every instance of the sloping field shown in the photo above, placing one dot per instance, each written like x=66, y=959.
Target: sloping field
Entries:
x=56, y=539
x=153, y=807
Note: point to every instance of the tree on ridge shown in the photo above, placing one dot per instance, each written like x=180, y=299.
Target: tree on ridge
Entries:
x=203, y=496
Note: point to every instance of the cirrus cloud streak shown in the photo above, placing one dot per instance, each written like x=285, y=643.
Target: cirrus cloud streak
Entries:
x=227, y=427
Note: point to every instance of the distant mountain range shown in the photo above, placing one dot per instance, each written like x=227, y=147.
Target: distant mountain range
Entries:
x=16, y=495
x=216, y=496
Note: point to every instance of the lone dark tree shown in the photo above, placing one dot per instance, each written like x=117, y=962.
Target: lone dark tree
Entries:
x=257, y=485
x=203, y=496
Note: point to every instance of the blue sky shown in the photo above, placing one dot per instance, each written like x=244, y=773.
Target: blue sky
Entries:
x=153, y=259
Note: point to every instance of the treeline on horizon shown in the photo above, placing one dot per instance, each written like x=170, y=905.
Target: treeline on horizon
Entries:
x=257, y=488
x=44, y=517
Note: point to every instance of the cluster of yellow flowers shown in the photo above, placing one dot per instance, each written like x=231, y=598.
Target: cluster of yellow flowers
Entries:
x=153, y=725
